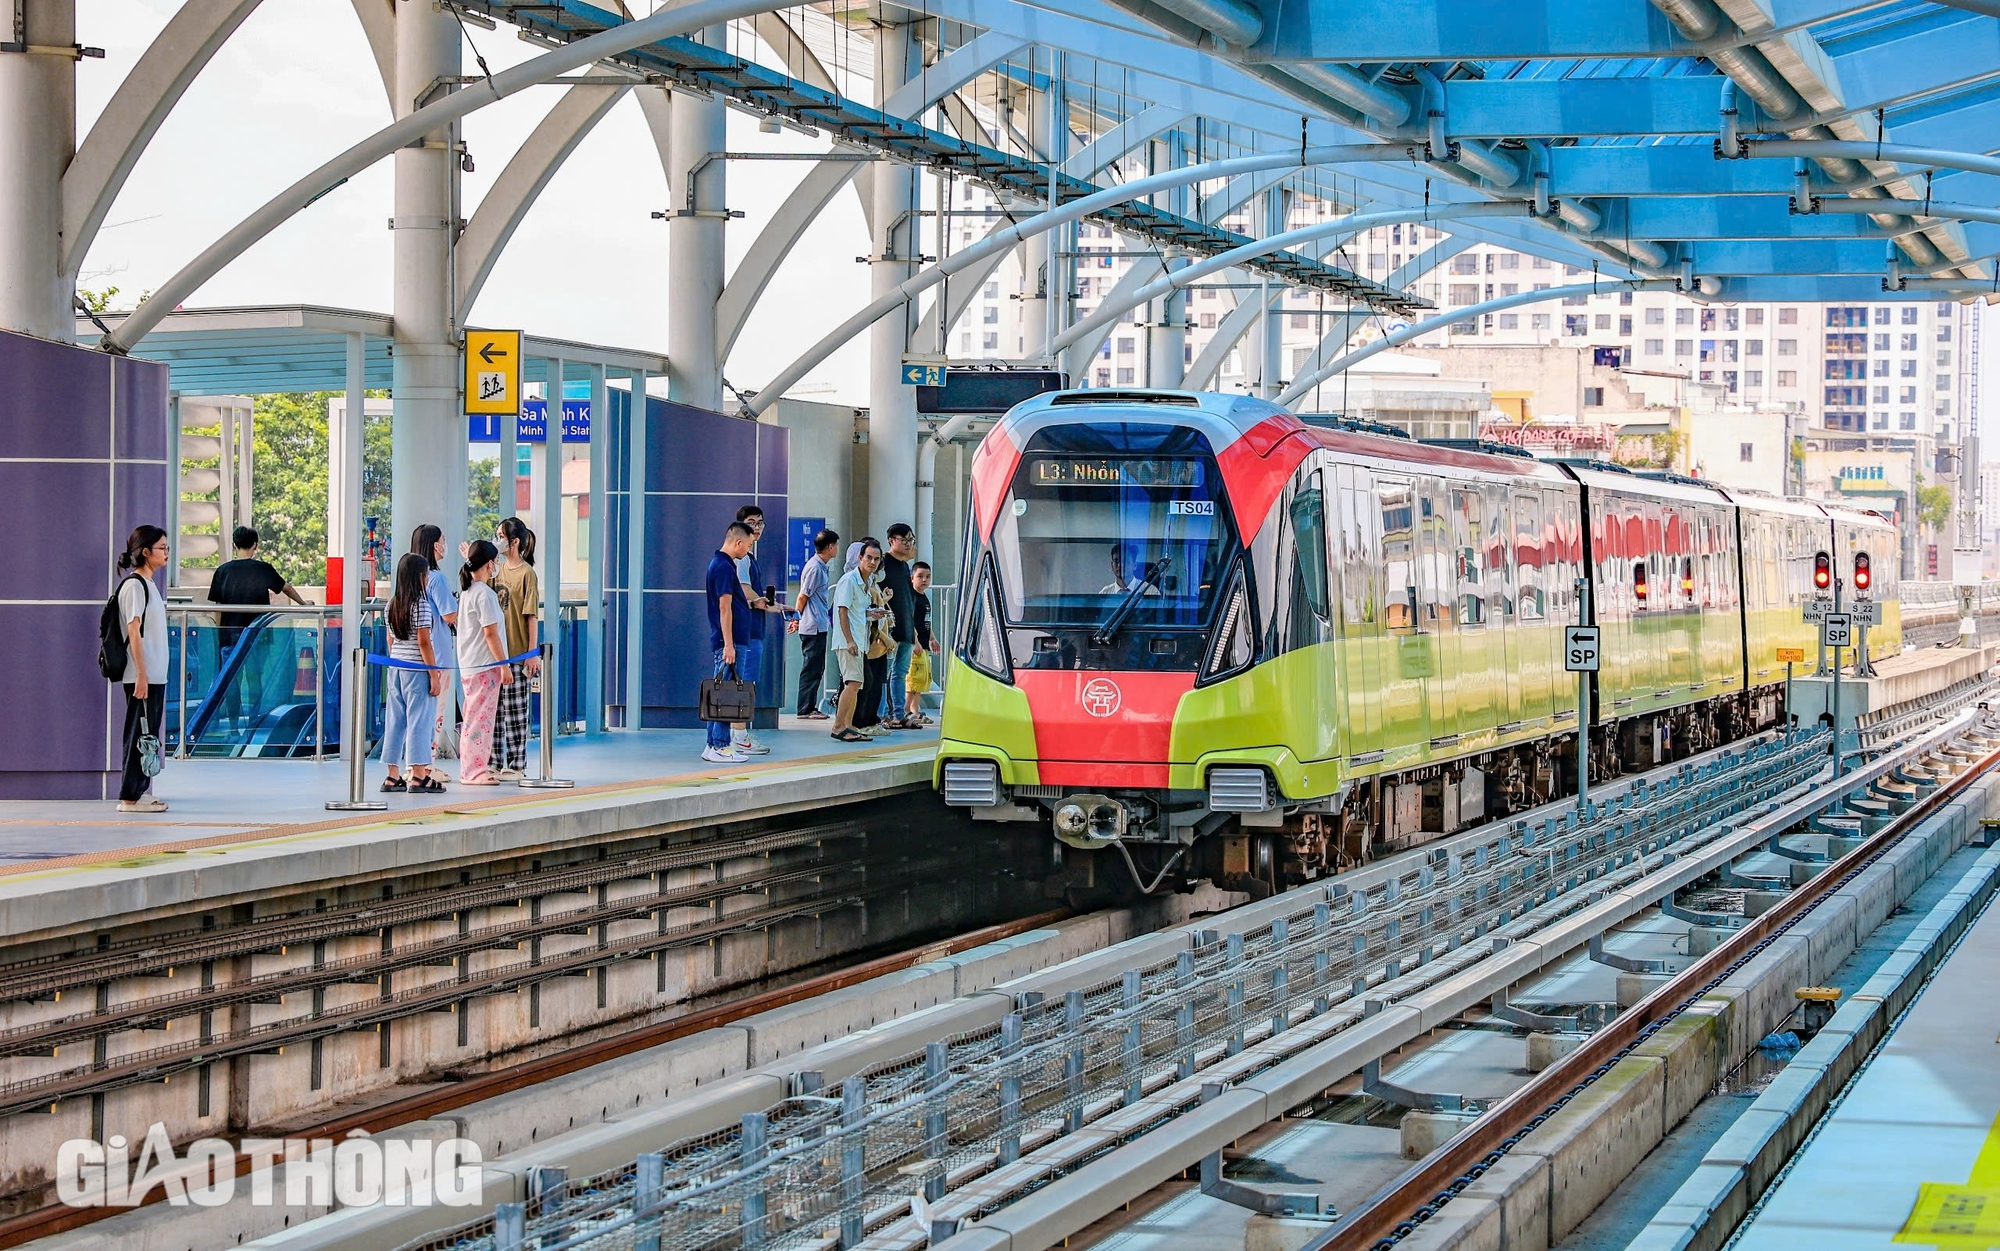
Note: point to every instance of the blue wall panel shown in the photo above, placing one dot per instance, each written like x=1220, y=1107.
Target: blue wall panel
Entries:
x=701, y=467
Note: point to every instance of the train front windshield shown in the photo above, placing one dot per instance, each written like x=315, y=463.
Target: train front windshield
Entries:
x=1113, y=543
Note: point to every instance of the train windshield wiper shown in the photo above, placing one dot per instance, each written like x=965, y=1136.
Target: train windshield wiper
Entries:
x=1116, y=621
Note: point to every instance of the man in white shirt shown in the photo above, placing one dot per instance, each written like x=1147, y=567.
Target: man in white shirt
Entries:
x=851, y=606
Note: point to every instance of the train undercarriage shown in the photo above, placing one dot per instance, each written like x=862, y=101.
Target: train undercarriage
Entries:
x=1114, y=844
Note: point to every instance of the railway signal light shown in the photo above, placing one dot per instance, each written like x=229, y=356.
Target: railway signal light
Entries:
x=1822, y=570
x=1862, y=577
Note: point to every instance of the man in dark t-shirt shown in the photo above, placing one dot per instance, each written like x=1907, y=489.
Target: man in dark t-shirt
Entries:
x=730, y=639
x=902, y=604
x=244, y=580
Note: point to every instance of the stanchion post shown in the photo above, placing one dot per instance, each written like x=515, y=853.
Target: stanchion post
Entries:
x=548, y=780
x=354, y=738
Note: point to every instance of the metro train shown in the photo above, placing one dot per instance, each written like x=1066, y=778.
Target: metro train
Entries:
x=1207, y=639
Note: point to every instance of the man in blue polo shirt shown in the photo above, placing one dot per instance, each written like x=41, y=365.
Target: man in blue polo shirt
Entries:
x=729, y=632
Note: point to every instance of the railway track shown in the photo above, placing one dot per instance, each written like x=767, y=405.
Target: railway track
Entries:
x=1400, y=1208
x=47, y=977
x=853, y=886
x=1003, y=1112
x=471, y=1088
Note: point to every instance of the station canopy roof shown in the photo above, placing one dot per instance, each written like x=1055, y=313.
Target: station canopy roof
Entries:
x=265, y=349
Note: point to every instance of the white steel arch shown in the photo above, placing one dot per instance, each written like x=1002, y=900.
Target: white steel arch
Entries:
x=280, y=208
x=128, y=123
x=825, y=179
x=520, y=184
x=1041, y=223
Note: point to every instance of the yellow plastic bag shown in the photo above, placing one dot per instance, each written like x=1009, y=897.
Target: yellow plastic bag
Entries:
x=919, y=680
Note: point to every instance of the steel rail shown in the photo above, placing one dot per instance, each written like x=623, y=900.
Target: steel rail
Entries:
x=1226, y=991
x=153, y=1012
x=48, y=1221
x=1399, y=1208
x=47, y=975
x=153, y=1064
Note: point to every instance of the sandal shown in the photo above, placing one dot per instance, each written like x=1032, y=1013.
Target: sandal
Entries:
x=427, y=786
x=850, y=736
x=394, y=785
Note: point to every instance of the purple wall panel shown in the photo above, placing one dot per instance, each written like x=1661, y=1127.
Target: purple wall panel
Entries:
x=693, y=449
x=693, y=525
x=56, y=399
x=40, y=725
x=141, y=399
x=139, y=497
x=65, y=508
x=85, y=467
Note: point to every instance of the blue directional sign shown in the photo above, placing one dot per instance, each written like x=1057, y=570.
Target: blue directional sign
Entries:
x=532, y=424
x=923, y=375
x=799, y=537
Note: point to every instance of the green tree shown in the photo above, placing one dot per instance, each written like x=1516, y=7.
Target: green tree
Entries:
x=288, y=496
x=483, y=494
x=1934, y=506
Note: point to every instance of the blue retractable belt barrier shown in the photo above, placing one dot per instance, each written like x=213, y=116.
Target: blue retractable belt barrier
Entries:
x=393, y=662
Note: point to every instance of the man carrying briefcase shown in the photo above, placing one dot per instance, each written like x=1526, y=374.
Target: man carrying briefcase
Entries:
x=727, y=697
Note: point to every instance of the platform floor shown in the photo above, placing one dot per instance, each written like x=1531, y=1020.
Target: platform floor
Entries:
x=223, y=797
x=1911, y=1156
x=240, y=829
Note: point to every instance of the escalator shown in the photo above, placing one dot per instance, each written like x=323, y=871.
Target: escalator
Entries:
x=270, y=689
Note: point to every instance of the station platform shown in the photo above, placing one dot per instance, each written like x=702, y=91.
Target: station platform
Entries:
x=235, y=827
x=1911, y=1153
x=1905, y=682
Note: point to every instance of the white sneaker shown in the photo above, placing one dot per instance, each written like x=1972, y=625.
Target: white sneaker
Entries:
x=749, y=747
x=721, y=755
x=147, y=804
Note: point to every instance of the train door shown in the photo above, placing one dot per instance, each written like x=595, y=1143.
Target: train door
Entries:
x=1503, y=607
x=1437, y=585
x=1391, y=542
x=1529, y=651
x=1357, y=568
x=1476, y=674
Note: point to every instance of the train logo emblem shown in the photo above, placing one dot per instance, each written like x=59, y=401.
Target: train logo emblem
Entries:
x=1100, y=697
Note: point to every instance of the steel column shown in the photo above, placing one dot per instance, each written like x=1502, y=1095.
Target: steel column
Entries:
x=37, y=139
x=429, y=458
x=892, y=407
x=695, y=241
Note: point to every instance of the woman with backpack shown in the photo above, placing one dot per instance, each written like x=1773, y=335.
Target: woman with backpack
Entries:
x=142, y=614
x=413, y=693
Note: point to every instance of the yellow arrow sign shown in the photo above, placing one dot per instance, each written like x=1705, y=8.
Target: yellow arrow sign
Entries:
x=492, y=371
x=1960, y=1218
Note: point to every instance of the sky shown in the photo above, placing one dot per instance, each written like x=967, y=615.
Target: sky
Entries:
x=296, y=84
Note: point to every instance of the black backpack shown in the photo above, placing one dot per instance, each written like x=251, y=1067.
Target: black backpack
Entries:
x=112, y=653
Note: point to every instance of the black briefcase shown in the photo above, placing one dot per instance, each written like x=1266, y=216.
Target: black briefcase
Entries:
x=728, y=698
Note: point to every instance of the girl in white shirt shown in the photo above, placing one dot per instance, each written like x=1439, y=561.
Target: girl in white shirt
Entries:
x=143, y=612
x=479, y=651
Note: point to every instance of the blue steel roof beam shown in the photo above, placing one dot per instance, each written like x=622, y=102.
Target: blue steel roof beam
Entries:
x=694, y=64
x=1496, y=30
x=1162, y=71
x=1766, y=83
x=1921, y=58
x=1741, y=217
x=1772, y=257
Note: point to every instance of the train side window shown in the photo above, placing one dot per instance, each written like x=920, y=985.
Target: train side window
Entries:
x=1528, y=573
x=1308, y=513
x=1360, y=548
x=1469, y=542
x=1396, y=504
